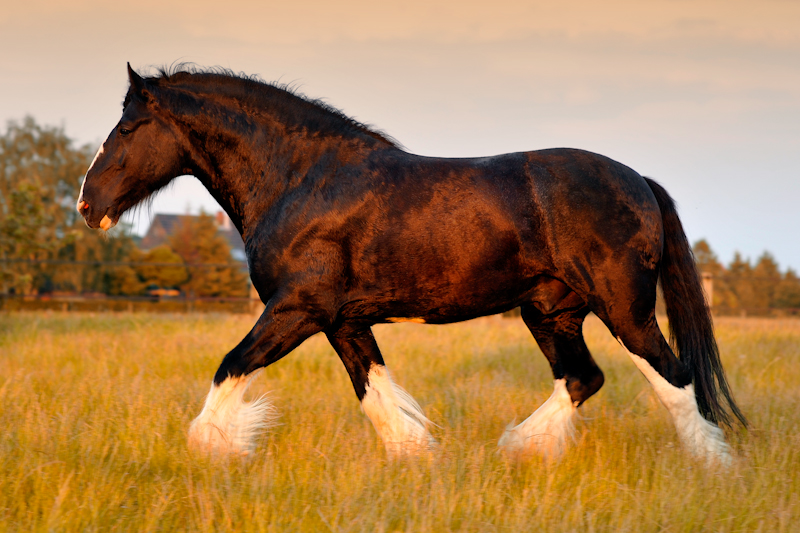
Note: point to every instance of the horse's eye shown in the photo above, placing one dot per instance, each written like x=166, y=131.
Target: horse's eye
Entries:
x=124, y=132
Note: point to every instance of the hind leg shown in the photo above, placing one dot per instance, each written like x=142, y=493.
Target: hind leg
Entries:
x=672, y=383
x=576, y=375
x=628, y=309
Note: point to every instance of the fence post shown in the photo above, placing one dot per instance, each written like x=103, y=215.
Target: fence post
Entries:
x=708, y=288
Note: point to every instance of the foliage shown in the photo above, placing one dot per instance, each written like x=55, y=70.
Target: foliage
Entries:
x=24, y=235
x=93, y=251
x=744, y=288
x=197, y=241
x=158, y=273
x=40, y=173
x=787, y=292
x=30, y=153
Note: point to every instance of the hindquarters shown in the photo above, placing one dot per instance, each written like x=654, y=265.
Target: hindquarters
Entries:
x=613, y=233
x=600, y=220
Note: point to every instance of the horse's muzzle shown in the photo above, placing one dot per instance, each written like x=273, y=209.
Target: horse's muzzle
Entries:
x=106, y=223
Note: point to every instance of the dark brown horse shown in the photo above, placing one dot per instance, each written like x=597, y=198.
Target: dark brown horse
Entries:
x=343, y=229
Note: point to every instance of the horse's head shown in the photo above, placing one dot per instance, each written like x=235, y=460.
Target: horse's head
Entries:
x=142, y=154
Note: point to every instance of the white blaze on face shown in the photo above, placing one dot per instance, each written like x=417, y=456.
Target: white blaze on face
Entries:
x=98, y=154
x=79, y=205
x=397, y=417
x=701, y=437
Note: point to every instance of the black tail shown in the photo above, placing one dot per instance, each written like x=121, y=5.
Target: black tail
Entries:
x=690, y=326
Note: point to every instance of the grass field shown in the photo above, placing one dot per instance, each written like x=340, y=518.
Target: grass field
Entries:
x=94, y=411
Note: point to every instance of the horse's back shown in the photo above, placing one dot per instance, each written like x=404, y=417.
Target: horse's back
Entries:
x=550, y=199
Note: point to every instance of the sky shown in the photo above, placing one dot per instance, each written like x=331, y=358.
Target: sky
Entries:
x=701, y=95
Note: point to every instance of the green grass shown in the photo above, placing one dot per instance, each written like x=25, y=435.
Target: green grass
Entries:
x=94, y=411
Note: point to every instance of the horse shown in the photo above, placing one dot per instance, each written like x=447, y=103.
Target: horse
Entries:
x=344, y=229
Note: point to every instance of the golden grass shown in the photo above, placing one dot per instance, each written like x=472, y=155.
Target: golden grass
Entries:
x=95, y=408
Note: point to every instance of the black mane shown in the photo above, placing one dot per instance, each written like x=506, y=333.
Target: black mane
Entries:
x=283, y=100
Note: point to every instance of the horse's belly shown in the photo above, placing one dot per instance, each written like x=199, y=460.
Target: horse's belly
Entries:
x=446, y=286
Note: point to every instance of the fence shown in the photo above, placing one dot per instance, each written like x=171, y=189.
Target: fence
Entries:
x=158, y=301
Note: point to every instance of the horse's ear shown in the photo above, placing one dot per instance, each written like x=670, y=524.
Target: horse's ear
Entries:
x=138, y=85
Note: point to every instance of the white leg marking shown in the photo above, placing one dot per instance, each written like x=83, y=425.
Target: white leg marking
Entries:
x=227, y=424
x=397, y=417
x=702, y=438
x=547, y=430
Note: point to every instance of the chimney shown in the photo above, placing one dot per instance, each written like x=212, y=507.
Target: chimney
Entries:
x=223, y=222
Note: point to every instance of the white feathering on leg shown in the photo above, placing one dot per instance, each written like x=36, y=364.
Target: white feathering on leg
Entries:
x=701, y=437
x=394, y=413
x=227, y=424
x=547, y=430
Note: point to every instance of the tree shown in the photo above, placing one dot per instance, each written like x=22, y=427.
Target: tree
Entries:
x=766, y=277
x=705, y=258
x=198, y=242
x=158, y=273
x=92, y=251
x=46, y=157
x=788, y=291
x=40, y=175
x=707, y=262
x=740, y=274
x=24, y=236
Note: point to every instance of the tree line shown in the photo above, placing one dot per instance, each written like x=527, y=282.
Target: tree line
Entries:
x=45, y=245
x=748, y=287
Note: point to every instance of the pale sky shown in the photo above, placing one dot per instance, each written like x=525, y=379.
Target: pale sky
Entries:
x=703, y=96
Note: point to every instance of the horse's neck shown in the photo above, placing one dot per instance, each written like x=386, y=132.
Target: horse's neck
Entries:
x=250, y=174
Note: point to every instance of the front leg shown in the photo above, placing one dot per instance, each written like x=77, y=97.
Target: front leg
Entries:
x=227, y=424
x=396, y=416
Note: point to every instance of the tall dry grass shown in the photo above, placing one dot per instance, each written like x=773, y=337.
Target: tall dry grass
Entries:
x=94, y=412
